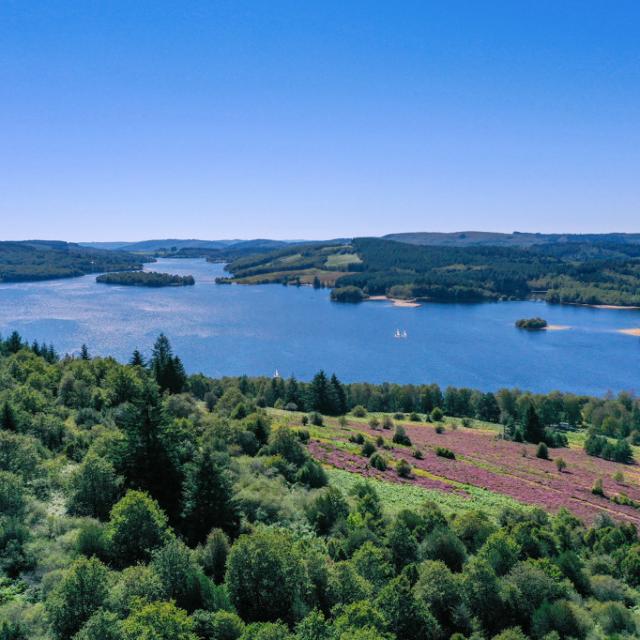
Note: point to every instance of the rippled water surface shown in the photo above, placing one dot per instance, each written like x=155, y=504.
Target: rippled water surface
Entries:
x=229, y=330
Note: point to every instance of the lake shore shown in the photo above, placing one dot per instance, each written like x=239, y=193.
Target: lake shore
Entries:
x=397, y=302
x=630, y=332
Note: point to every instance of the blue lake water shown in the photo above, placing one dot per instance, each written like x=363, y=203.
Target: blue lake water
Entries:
x=231, y=330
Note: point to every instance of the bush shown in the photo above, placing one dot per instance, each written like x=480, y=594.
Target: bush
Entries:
x=359, y=411
x=379, y=441
x=316, y=419
x=400, y=436
x=374, y=423
x=398, y=416
x=417, y=453
x=619, y=477
x=614, y=618
x=378, y=462
x=542, y=452
x=443, y=452
x=304, y=421
x=414, y=417
x=439, y=428
x=467, y=423
x=387, y=422
x=598, y=488
x=403, y=468
x=312, y=475
x=356, y=438
x=561, y=465
x=437, y=415
x=367, y=449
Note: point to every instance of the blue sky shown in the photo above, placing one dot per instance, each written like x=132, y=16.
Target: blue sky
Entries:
x=132, y=120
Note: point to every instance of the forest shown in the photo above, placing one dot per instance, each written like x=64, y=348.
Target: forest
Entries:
x=600, y=271
x=145, y=279
x=40, y=260
x=138, y=502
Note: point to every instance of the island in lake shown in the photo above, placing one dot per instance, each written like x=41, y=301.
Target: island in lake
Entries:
x=145, y=279
x=532, y=324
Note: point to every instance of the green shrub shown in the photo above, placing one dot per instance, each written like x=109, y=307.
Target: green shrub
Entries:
x=443, y=452
x=403, y=468
x=359, y=411
x=378, y=462
x=542, y=452
x=316, y=419
x=400, y=436
x=598, y=488
x=367, y=449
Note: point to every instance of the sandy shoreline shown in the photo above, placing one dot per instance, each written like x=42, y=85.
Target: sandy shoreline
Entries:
x=557, y=327
x=397, y=302
x=630, y=332
x=615, y=307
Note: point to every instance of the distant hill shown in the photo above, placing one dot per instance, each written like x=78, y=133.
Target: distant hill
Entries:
x=43, y=259
x=515, y=239
x=169, y=244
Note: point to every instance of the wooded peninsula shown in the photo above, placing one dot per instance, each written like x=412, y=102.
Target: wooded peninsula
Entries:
x=597, y=272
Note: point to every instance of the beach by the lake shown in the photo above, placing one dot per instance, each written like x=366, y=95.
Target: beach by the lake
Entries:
x=630, y=332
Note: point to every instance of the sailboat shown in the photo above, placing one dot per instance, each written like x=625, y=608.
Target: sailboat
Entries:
x=400, y=334
x=276, y=374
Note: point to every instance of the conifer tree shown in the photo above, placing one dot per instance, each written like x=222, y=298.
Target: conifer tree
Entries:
x=533, y=429
x=8, y=420
x=208, y=497
x=137, y=360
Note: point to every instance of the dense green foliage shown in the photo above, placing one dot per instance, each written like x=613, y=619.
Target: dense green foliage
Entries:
x=589, y=270
x=569, y=272
x=38, y=260
x=145, y=279
x=348, y=294
x=140, y=503
x=531, y=323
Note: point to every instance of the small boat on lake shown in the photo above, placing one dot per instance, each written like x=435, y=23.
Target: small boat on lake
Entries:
x=400, y=334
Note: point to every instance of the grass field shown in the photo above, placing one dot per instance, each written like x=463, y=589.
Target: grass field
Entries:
x=342, y=260
x=487, y=472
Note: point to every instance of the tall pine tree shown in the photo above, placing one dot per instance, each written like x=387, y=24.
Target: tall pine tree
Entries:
x=149, y=461
x=208, y=497
x=8, y=420
x=166, y=367
x=533, y=430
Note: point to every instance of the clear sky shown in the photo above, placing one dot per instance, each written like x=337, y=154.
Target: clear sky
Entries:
x=125, y=120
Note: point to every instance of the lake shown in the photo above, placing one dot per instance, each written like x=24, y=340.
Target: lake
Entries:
x=231, y=330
